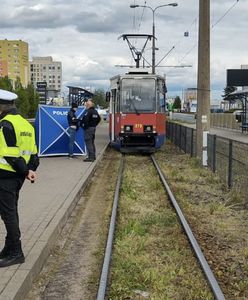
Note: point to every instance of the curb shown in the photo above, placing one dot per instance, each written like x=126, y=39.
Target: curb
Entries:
x=21, y=282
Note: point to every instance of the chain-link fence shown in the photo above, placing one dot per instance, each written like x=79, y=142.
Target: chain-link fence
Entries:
x=227, y=157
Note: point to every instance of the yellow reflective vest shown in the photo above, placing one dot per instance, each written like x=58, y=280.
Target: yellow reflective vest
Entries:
x=25, y=141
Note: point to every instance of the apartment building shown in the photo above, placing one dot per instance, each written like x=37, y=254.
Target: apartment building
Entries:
x=44, y=69
x=14, y=60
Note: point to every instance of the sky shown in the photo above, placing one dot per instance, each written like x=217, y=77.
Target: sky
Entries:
x=83, y=35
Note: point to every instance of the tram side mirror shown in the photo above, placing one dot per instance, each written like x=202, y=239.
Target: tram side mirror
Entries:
x=108, y=95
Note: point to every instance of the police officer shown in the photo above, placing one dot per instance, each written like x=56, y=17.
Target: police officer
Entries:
x=73, y=127
x=89, y=122
x=18, y=160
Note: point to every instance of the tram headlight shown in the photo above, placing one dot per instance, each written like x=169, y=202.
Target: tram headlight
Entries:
x=148, y=128
x=128, y=128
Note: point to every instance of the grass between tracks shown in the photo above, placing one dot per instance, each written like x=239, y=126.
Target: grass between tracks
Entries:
x=151, y=258
x=217, y=216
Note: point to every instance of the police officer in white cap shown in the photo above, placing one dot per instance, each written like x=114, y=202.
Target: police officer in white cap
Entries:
x=18, y=160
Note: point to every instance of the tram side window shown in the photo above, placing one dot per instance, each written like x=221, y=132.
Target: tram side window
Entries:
x=113, y=100
x=161, y=97
x=117, y=102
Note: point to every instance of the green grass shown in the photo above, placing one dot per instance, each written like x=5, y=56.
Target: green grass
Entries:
x=150, y=253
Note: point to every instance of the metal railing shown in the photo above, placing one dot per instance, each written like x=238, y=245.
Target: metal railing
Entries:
x=227, y=157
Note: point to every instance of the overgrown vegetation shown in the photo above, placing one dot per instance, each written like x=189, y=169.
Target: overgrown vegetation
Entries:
x=215, y=214
x=152, y=258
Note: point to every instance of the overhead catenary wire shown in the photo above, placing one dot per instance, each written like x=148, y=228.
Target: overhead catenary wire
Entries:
x=142, y=15
x=191, y=24
x=134, y=18
x=212, y=26
x=141, y=19
x=179, y=41
x=223, y=16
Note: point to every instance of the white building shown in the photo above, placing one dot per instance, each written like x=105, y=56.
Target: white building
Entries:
x=44, y=69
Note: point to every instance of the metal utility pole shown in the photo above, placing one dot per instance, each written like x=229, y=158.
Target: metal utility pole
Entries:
x=203, y=82
x=153, y=28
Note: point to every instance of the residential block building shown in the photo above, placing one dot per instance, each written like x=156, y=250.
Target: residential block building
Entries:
x=14, y=60
x=44, y=69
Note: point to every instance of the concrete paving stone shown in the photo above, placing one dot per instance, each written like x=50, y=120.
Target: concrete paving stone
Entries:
x=28, y=246
x=14, y=288
x=6, y=277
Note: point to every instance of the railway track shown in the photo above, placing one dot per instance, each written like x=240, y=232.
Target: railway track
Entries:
x=103, y=284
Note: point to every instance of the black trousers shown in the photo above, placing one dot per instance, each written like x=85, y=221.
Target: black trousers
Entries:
x=89, y=137
x=9, y=194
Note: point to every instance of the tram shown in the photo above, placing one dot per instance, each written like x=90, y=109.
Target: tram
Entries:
x=137, y=111
x=137, y=121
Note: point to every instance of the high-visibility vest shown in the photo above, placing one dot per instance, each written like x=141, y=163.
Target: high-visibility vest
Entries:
x=25, y=141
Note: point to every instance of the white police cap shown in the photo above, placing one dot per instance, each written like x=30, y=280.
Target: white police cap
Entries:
x=7, y=97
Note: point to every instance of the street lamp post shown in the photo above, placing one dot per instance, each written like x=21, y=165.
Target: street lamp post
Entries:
x=153, y=28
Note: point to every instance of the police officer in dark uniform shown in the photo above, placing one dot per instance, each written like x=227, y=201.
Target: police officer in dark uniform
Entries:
x=73, y=127
x=18, y=160
x=89, y=122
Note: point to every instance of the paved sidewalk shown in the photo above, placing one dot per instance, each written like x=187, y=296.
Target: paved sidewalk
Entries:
x=230, y=134
x=44, y=208
x=235, y=135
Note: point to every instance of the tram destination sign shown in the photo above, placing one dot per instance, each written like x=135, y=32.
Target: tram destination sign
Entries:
x=237, y=77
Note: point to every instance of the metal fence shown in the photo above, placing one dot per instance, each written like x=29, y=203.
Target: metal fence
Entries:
x=227, y=157
x=182, y=136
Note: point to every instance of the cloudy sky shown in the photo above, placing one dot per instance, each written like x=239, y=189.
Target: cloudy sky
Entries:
x=83, y=34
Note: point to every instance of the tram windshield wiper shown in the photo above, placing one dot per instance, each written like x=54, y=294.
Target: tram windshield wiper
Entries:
x=135, y=108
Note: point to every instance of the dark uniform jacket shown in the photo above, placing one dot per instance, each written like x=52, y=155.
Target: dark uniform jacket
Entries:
x=72, y=118
x=91, y=118
x=17, y=163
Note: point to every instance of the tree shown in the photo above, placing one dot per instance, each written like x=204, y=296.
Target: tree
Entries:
x=6, y=84
x=228, y=90
x=22, y=102
x=99, y=98
x=28, y=98
x=177, y=103
x=33, y=100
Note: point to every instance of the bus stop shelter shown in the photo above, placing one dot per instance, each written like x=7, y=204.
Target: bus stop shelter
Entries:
x=242, y=96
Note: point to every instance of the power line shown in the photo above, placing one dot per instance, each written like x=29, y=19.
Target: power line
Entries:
x=142, y=15
x=180, y=40
x=223, y=16
x=134, y=17
x=213, y=25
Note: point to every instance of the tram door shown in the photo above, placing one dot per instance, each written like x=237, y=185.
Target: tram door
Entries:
x=113, y=113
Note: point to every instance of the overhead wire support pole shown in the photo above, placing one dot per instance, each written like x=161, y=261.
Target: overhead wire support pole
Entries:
x=203, y=81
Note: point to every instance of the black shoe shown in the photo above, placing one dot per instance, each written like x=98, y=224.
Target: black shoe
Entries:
x=5, y=252
x=12, y=259
x=89, y=159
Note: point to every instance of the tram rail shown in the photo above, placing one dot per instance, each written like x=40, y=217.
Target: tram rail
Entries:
x=212, y=282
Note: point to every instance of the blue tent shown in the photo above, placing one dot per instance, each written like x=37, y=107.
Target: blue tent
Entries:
x=51, y=129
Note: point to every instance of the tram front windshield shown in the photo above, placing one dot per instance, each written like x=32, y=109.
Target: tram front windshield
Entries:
x=138, y=95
